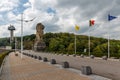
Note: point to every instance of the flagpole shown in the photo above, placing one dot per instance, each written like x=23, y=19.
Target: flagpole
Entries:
x=75, y=42
x=109, y=19
x=91, y=23
x=108, y=43
x=76, y=29
x=89, y=41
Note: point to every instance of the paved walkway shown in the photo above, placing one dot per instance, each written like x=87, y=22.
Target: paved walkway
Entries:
x=106, y=68
x=27, y=68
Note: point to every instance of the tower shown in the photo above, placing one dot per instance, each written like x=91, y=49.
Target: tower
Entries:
x=11, y=28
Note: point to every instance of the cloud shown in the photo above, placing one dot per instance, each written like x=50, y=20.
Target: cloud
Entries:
x=1, y=17
x=84, y=10
x=62, y=15
x=27, y=4
x=11, y=16
x=7, y=5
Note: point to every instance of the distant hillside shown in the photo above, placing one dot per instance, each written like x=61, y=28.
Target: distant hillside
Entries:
x=64, y=43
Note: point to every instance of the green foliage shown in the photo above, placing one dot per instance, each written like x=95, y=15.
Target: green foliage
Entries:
x=28, y=42
x=2, y=55
x=64, y=43
x=70, y=48
x=4, y=41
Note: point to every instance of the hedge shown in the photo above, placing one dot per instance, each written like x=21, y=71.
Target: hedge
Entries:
x=2, y=56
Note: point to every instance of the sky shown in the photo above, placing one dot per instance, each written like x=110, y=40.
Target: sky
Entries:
x=61, y=16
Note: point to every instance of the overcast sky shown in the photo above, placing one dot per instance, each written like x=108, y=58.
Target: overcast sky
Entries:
x=61, y=16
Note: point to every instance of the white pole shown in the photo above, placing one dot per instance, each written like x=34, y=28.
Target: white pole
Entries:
x=21, y=35
x=15, y=44
x=89, y=41
x=108, y=45
x=75, y=43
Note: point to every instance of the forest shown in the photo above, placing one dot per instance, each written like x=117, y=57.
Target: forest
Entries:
x=64, y=43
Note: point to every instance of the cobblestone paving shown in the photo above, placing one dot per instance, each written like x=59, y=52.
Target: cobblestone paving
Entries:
x=27, y=68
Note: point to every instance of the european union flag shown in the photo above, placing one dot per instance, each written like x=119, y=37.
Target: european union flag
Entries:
x=111, y=17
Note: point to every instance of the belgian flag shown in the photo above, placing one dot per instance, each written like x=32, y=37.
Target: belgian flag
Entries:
x=91, y=22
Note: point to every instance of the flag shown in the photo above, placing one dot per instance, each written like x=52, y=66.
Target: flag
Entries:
x=77, y=27
x=111, y=17
x=91, y=22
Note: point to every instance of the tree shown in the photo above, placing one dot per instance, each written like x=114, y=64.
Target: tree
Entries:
x=71, y=48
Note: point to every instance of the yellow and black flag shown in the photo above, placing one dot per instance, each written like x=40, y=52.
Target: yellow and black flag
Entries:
x=77, y=27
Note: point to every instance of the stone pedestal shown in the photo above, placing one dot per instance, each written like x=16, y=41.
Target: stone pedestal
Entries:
x=39, y=46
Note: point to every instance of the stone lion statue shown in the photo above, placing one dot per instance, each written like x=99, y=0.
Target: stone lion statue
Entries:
x=39, y=32
x=39, y=43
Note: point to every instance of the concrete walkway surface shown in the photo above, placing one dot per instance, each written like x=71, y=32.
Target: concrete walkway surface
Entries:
x=27, y=68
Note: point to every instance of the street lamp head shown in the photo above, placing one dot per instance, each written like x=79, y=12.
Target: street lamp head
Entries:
x=26, y=21
x=29, y=20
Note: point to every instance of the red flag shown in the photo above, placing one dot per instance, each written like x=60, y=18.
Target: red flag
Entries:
x=91, y=22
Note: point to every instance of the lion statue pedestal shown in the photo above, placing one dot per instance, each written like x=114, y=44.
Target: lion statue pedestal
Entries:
x=39, y=46
x=39, y=43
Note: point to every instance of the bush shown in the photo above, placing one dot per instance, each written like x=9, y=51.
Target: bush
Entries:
x=16, y=54
x=2, y=56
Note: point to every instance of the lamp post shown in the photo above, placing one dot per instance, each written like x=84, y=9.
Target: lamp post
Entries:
x=15, y=44
x=21, y=35
x=22, y=20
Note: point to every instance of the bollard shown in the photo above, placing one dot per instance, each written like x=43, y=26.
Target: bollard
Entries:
x=29, y=55
x=35, y=57
x=92, y=56
x=23, y=53
x=67, y=54
x=65, y=64
x=57, y=54
x=82, y=56
x=104, y=57
x=53, y=61
x=62, y=54
x=26, y=54
x=16, y=54
x=74, y=55
x=39, y=58
x=32, y=56
x=86, y=70
x=45, y=59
